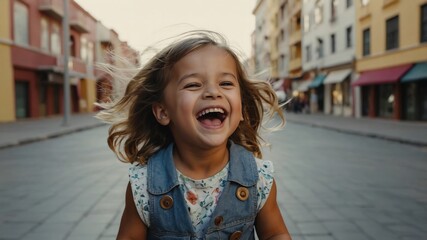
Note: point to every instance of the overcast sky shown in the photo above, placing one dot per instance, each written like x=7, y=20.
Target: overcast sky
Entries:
x=143, y=23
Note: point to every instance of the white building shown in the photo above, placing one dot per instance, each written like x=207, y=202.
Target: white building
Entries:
x=328, y=49
x=261, y=40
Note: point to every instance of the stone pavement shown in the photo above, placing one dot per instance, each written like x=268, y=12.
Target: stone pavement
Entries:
x=32, y=130
x=95, y=199
x=414, y=133
x=409, y=132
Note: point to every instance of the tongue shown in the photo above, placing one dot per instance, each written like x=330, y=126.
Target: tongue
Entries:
x=211, y=122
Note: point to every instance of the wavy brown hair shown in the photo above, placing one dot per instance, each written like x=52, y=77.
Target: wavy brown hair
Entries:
x=135, y=134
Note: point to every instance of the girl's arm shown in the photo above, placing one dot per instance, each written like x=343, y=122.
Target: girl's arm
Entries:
x=269, y=223
x=131, y=225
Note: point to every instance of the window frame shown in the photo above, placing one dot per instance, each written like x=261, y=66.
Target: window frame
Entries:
x=423, y=23
x=21, y=36
x=349, y=37
x=333, y=43
x=366, y=45
x=391, y=33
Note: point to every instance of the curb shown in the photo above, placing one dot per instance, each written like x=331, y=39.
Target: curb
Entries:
x=50, y=136
x=372, y=135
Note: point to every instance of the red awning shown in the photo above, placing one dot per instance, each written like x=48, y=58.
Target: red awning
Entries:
x=382, y=76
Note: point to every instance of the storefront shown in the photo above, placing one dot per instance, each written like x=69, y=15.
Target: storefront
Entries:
x=338, y=96
x=381, y=91
x=317, y=94
x=300, y=94
x=414, y=84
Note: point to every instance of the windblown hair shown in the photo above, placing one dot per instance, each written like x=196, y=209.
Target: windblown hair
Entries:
x=135, y=134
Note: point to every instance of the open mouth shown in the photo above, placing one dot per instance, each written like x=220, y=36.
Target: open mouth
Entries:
x=212, y=117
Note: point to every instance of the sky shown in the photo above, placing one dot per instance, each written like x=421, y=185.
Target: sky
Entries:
x=145, y=23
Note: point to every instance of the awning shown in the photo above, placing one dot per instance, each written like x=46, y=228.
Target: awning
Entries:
x=382, y=76
x=318, y=80
x=303, y=86
x=337, y=76
x=417, y=73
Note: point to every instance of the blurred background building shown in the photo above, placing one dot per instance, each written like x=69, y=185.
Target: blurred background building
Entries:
x=31, y=53
x=350, y=58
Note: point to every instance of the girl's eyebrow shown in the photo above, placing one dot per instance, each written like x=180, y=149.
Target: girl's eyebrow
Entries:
x=189, y=75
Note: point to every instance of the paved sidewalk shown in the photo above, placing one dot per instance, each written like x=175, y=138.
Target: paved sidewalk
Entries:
x=31, y=130
x=409, y=132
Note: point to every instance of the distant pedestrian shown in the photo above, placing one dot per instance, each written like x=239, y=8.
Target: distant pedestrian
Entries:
x=188, y=123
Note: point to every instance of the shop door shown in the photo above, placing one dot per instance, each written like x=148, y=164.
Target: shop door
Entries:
x=423, y=100
x=410, y=101
x=21, y=99
x=365, y=101
x=386, y=100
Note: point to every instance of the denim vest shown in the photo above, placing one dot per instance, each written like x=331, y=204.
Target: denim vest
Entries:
x=233, y=217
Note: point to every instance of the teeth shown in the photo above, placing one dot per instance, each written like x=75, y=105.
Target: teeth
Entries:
x=209, y=110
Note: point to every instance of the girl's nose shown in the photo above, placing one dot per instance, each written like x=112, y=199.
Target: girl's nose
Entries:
x=212, y=92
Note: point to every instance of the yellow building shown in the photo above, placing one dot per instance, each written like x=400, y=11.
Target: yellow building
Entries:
x=295, y=31
x=274, y=35
x=7, y=91
x=391, y=54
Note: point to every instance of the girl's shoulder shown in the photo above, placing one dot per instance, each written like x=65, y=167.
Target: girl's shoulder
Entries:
x=265, y=180
x=138, y=182
x=137, y=171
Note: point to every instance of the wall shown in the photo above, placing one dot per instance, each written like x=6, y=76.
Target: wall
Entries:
x=7, y=90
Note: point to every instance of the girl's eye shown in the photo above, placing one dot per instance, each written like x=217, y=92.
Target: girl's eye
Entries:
x=192, y=85
x=227, y=83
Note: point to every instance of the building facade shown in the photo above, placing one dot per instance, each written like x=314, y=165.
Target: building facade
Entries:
x=391, y=51
x=347, y=57
x=31, y=48
x=328, y=54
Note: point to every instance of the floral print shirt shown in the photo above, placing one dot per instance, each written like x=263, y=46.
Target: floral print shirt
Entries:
x=201, y=195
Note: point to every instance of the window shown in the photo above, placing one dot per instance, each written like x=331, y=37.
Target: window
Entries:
x=318, y=12
x=423, y=23
x=349, y=41
x=349, y=3
x=90, y=51
x=392, y=31
x=320, y=48
x=20, y=23
x=55, y=40
x=44, y=34
x=307, y=53
x=282, y=35
x=282, y=11
x=282, y=63
x=366, y=42
x=83, y=48
x=332, y=43
x=334, y=6
x=306, y=23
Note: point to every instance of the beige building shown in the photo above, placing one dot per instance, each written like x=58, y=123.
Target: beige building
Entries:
x=7, y=101
x=391, y=53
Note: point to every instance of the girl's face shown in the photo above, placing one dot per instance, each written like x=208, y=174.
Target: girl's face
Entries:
x=202, y=103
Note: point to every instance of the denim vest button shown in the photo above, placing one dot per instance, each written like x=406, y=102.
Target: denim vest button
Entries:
x=242, y=193
x=218, y=220
x=166, y=202
x=236, y=235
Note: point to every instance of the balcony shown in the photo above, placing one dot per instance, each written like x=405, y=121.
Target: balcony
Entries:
x=295, y=64
x=296, y=8
x=295, y=37
x=52, y=8
x=79, y=22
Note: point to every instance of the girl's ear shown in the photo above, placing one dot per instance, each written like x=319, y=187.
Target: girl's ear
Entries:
x=160, y=114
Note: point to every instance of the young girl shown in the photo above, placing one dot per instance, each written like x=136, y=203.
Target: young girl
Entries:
x=188, y=123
